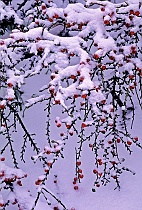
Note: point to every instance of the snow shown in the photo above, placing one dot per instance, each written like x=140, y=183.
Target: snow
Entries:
x=69, y=64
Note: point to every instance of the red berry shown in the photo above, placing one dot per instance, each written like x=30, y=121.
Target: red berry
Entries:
x=103, y=67
x=131, y=77
x=76, y=187
x=68, y=126
x=80, y=26
x=132, y=12
x=90, y=145
x=49, y=164
x=118, y=140
x=43, y=7
x=75, y=179
x=10, y=99
x=82, y=63
x=40, y=49
x=131, y=87
x=103, y=131
x=56, y=16
x=38, y=182
x=113, y=21
x=79, y=170
x=58, y=125
x=46, y=170
x=72, y=54
x=2, y=174
x=64, y=50
x=137, y=13
x=131, y=33
x=88, y=60
x=61, y=134
x=36, y=22
x=106, y=22
x=83, y=125
x=78, y=163
x=112, y=58
x=71, y=133
x=21, y=40
x=103, y=101
x=82, y=103
x=110, y=124
x=136, y=138
x=81, y=176
x=127, y=24
x=2, y=159
x=52, y=76
x=112, y=110
x=14, y=202
x=55, y=208
x=68, y=25
x=95, y=171
x=48, y=152
x=25, y=175
x=78, y=72
x=129, y=143
x=103, y=120
x=1, y=204
x=2, y=42
x=2, y=106
x=81, y=79
x=84, y=96
x=102, y=9
x=75, y=96
x=38, y=38
x=96, y=56
x=57, y=101
x=50, y=19
x=19, y=182
x=100, y=163
x=10, y=85
x=73, y=77
x=113, y=162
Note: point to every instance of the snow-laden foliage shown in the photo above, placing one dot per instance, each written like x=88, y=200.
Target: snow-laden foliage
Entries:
x=90, y=53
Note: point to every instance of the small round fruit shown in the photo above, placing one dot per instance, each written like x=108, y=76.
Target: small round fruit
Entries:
x=2, y=106
x=79, y=170
x=76, y=187
x=50, y=19
x=78, y=163
x=10, y=84
x=118, y=140
x=136, y=138
x=96, y=56
x=83, y=125
x=129, y=143
x=84, y=96
x=95, y=171
x=81, y=176
x=106, y=22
